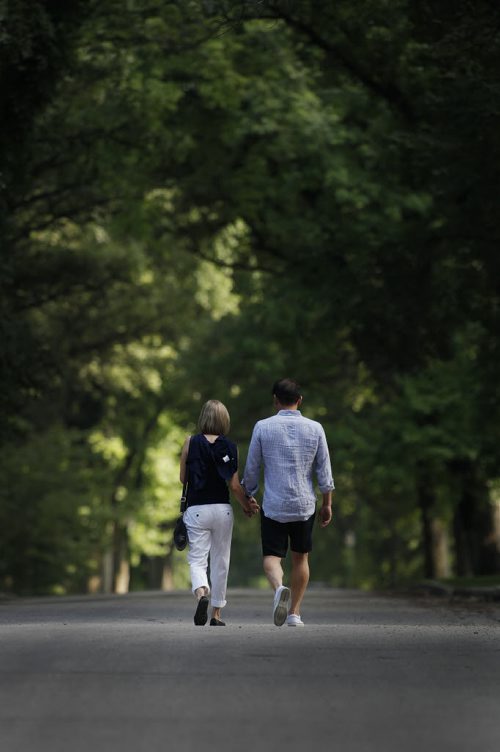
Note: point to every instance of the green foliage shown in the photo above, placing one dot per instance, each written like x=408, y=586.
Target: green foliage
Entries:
x=51, y=519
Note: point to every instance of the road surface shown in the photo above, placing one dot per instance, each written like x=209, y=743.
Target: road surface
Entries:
x=133, y=674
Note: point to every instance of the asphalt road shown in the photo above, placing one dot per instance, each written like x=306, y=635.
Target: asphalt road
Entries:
x=133, y=674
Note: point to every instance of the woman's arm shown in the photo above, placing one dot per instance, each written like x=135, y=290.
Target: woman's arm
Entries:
x=184, y=454
x=250, y=506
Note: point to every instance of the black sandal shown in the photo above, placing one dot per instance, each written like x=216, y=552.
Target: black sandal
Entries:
x=200, y=615
x=217, y=622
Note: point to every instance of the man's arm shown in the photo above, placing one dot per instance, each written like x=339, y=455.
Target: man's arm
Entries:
x=251, y=476
x=325, y=480
x=325, y=513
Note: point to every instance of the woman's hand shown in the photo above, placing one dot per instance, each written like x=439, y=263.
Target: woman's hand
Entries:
x=250, y=507
x=248, y=503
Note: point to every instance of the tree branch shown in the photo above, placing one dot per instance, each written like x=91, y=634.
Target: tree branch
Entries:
x=233, y=265
x=389, y=92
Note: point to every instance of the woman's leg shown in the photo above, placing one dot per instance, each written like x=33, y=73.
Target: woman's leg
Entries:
x=220, y=552
x=199, y=537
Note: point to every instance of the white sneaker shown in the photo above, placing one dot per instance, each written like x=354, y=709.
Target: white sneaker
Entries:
x=280, y=605
x=293, y=620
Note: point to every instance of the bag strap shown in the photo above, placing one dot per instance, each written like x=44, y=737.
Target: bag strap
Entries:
x=183, y=498
x=185, y=485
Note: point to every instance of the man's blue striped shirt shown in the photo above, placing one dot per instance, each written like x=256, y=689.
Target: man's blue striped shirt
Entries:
x=291, y=448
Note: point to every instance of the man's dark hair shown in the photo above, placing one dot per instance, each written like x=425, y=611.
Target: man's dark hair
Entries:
x=286, y=391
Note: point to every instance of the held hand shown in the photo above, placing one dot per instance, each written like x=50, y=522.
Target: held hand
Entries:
x=251, y=507
x=325, y=516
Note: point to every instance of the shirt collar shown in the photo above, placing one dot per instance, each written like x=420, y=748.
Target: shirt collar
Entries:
x=290, y=412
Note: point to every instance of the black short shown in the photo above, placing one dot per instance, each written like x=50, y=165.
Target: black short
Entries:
x=275, y=536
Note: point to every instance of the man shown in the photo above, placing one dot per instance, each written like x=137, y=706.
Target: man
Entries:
x=291, y=448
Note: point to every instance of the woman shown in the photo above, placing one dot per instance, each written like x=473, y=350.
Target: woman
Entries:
x=209, y=463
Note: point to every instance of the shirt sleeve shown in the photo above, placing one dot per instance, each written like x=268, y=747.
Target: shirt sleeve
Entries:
x=323, y=465
x=254, y=459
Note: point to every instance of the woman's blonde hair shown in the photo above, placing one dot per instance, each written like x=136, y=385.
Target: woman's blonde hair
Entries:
x=214, y=418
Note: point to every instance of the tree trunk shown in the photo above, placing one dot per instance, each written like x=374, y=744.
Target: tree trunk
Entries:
x=463, y=557
x=393, y=558
x=121, y=566
x=488, y=534
x=167, y=580
x=426, y=501
x=475, y=525
x=463, y=518
x=159, y=572
x=107, y=572
x=440, y=550
x=133, y=461
x=495, y=532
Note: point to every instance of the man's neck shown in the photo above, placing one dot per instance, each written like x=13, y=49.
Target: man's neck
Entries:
x=279, y=406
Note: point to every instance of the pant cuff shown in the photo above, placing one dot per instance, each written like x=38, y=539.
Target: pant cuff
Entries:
x=217, y=604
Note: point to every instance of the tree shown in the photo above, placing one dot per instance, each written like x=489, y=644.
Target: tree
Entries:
x=214, y=194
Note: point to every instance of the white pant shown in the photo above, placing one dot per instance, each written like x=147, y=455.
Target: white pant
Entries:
x=210, y=527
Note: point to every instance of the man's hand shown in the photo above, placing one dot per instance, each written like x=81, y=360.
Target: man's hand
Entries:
x=251, y=507
x=325, y=516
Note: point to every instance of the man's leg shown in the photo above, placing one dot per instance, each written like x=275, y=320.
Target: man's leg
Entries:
x=273, y=570
x=300, y=579
x=300, y=546
x=274, y=547
x=274, y=537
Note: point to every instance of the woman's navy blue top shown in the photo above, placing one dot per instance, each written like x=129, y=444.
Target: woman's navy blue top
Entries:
x=209, y=467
